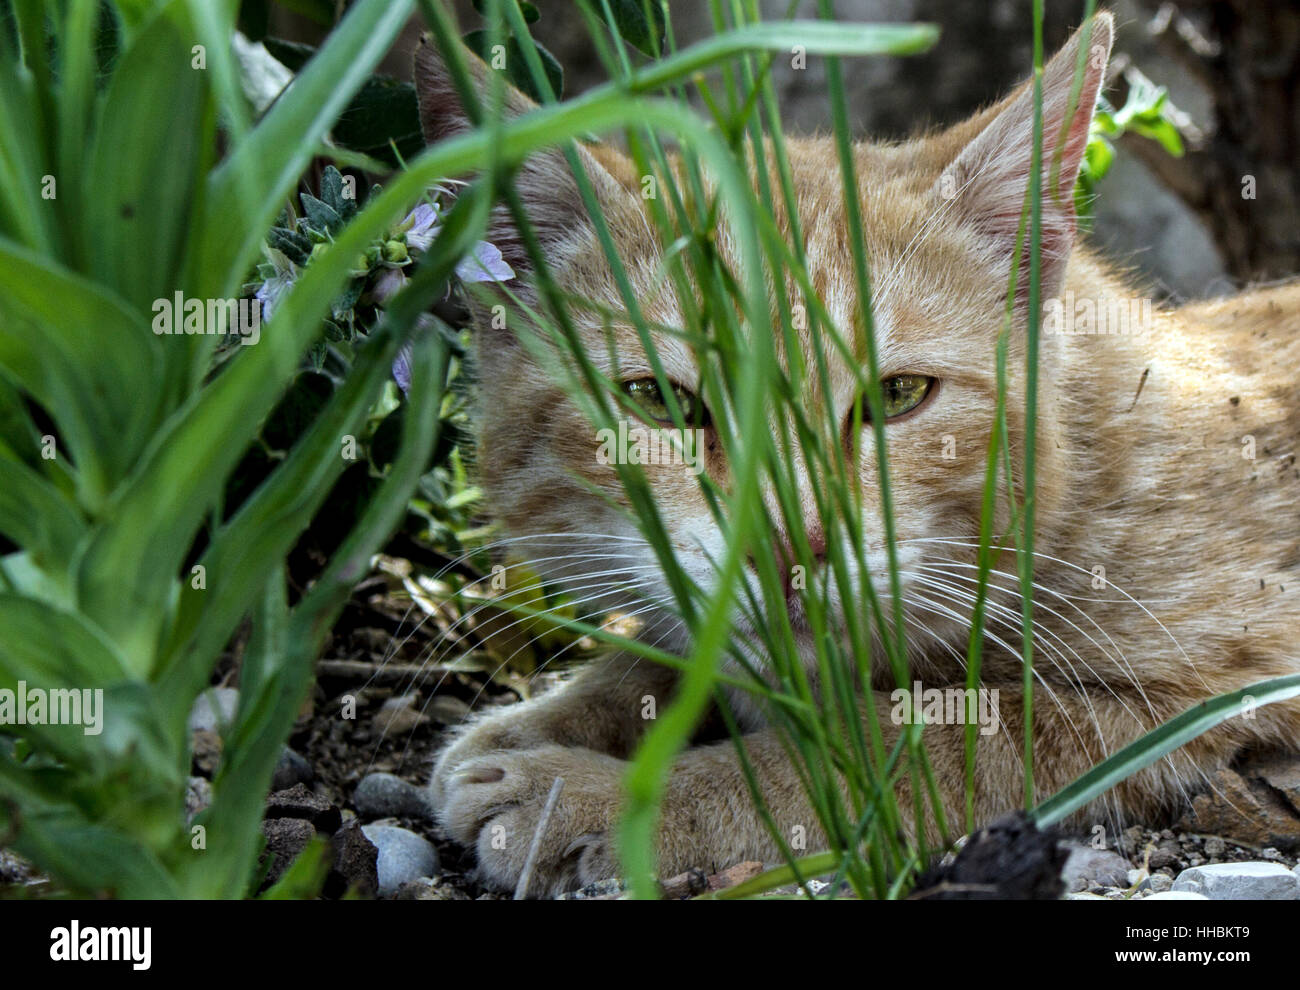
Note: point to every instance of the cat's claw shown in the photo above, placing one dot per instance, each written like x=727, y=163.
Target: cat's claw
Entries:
x=495, y=801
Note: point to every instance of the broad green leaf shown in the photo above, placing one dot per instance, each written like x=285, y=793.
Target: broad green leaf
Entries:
x=94, y=859
x=139, y=184
x=91, y=364
x=25, y=215
x=36, y=516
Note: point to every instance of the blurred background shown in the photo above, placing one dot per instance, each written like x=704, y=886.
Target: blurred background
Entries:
x=1224, y=214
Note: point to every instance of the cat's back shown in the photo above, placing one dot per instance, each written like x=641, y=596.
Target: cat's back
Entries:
x=1257, y=331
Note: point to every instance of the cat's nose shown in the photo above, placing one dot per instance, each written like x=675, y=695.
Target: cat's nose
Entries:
x=794, y=572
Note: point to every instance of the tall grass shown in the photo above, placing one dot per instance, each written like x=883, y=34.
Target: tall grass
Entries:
x=828, y=722
x=95, y=587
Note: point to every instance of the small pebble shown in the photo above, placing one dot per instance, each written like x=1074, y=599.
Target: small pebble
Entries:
x=1101, y=866
x=398, y=716
x=292, y=768
x=385, y=795
x=1160, y=882
x=446, y=709
x=1214, y=846
x=213, y=708
x=404, y=857
x=198, y=795
x=601, y=890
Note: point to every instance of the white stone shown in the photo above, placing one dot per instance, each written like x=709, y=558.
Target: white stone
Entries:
x=214, y=709
x=403, y=856
x=1241, y=882
x=1175, y=895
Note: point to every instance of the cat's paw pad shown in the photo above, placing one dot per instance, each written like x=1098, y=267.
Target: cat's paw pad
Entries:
x=494, y=802
x=480, y=738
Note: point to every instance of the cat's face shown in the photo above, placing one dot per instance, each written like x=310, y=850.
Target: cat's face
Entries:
x=940, y=218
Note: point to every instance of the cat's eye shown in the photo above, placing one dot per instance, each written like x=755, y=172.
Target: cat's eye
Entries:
x=903, y=393
x=647, y=395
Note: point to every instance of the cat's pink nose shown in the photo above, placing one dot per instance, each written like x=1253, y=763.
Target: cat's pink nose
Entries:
x=791, y=568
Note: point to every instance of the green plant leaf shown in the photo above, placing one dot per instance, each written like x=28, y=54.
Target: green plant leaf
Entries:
x=246, y=190
x=633, y=26
x=139, y=206
x=97, y=386
x=1160, y=742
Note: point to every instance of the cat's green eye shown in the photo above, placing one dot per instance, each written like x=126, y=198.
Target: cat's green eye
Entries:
x=903, y=393
x=645, y=392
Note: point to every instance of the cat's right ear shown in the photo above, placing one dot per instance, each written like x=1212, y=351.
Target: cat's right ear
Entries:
x=544, y=181
x=988, y=179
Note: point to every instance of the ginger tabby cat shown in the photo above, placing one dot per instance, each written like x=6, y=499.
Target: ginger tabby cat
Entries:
x=1141, y=470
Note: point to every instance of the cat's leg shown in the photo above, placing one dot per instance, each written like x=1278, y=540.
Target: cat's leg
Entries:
x=494, y=800
x=604, y=708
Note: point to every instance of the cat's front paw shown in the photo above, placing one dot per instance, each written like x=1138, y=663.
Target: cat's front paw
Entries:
x=494, y=802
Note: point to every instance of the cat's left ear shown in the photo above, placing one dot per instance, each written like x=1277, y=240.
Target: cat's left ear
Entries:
x=989, y=176
x=544, y=180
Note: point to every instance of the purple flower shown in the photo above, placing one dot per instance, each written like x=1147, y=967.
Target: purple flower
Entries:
x=402, y=369
x=271, y=289
x=483, y=264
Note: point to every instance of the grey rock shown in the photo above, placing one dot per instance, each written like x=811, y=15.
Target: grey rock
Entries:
x=205, y=751
x=1160, y=882
x=298, y=802
x=404, y=857
x=1102, y=867
x=1167, y=853
x=1077, y=896
x=430, y=889
x=285, y=839
x=1214, y=846
x=291, y=769
x=399, y=716
x=198, y=795
x=446, y=709
x=355, y=863
x=600, y=890
x=213, y=708
x=384, y=795
x=1241, y=882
